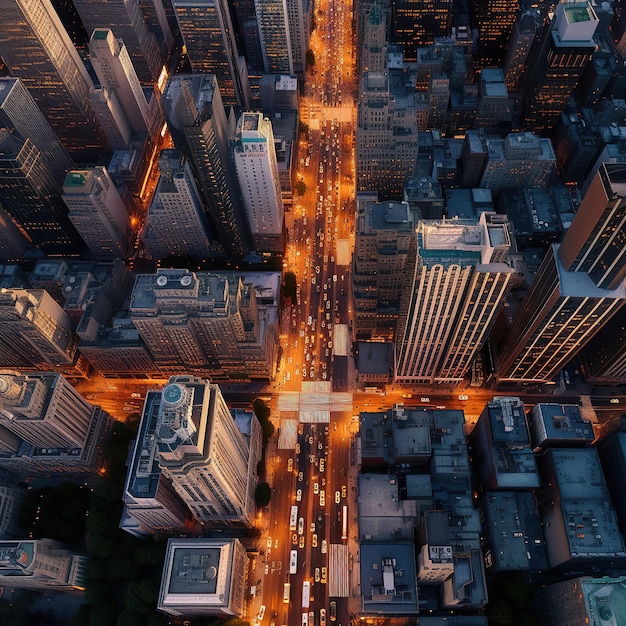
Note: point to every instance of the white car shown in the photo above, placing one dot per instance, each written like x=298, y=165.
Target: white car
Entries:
x=463, y=397
x=299, y=495
x=337, y=497
x=424, y=399
x=324, y=546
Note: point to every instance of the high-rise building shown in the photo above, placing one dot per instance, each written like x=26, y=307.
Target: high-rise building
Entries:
x=97, y=211
x=495, y=22
x=209, y=39
x=126, y=20
x=41, y=564
x=555, y=70
x=386, y=139
x=527, y=26
x=203, y=453
x=493, y=112
x=35, y=332
x=117, y=76
x=204, y=577
x=257, y=170
x=37, y=49
x=176, y=224
x=34, y=165
x=247, y=34
x=452, y=298
x=275, y=36
x=200, y=129
x=373, y=57
x=13, y=243
x=205, y=323
x=299, y=18
x=385, y=238
x=578, y=288
x=416, y=23
x=59, y=431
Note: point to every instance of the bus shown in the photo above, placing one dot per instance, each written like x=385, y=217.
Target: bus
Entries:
x=287, y=593
x=293, y=562
x=344, y=523
x=293, y=518
x=306, y=591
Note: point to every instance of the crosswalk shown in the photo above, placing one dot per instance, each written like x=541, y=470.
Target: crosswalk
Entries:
x=338, y=580
x=314, y=403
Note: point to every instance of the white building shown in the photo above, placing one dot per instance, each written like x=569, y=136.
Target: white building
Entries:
x=97, y=211
x=257, y=171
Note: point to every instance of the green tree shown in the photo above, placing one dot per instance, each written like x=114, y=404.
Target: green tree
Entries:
x=289, y=288
x=310, y=59
x=262, y=411
x=262, y=494
x=300, y=187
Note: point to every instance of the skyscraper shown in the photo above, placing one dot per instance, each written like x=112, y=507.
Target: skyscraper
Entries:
x=452, y=299
x=37, y=49
x=577, y=290
x=209, y=39
x=204, y=454
x=554, y=71
x=416, y=23
x=495, y=23
x=274, y=33
x=299, y=18
x=125, y=19
x=116, y=72
x=59, y=430
x=97, y=211
x=206, y=323
x=257, y=170
x=176, y=224
x=200, y=128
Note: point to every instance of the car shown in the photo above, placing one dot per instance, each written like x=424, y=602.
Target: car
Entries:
x=614, y=400
x=294, y=539
x=299, y=495
x=322, y=617
x=135, y=395
x=312, y=527
x=290, y=465
x=301, y=543
x=301, y=526
x=314, y=540
x=300, y=476
x=322, y=464
x=297, y=448
x=463, y=397
x=267, y=569
x=316, y=488
x=322, y=498
x=423, y=399
x=323, y=576
x=324, y=546
x=317, y=574
x=268, y=543
x=337, y=497
x=333, y=611
x=261, y=614
x=344, y=491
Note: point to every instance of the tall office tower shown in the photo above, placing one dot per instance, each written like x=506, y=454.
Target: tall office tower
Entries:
x=35, y=332
x=438, y=98
x=373, y=57
x=385, y=238
x=553, y=74
x=493, y=113
x=257, y=170
x=299, y=18
x=274, y=35
x=41, y=564
x=203, y=453
x=116, y=73
x=386, y=135
x=416, y=23
x=197, y=120
x=37, y=49
x=176, y=224
x=161, y=22
x=495, y=22
x=97, y=211
x=59, y=430
x=12, y=495
x=204, y=323
x=526, y=28
x=247, y=35
x=125, y=19
x=34, y=165
x=577, y=290
x=452, y=299
x=204, y=577
x=209, y=38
